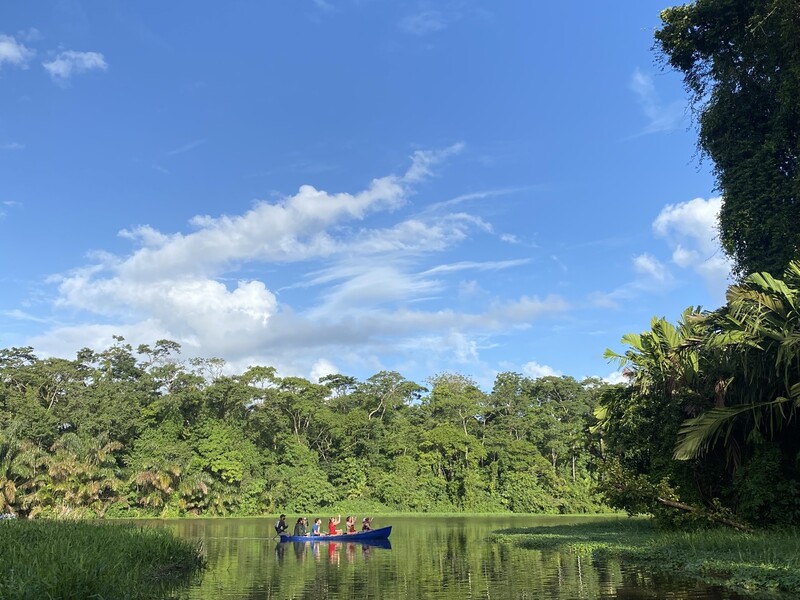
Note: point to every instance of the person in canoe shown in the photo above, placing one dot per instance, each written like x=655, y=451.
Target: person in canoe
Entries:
x=332, y=523
x=316, y=527
x=350, y=524
x=366, y=524
x=281, y=527
x=300, y=527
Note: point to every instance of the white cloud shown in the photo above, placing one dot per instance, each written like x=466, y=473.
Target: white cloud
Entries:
x=423, y=23
x=13, y=52
x=422, y=161
x=650, y=266
x=21, y=315
x=652, y=276
x=12, y=146
x=321, y=368
x=70, y=62
x=660, y=118
x=366, y=291
x=495, y=265
x=7, y=204
x=186, y=147
x=690, y=228
x=29, y=35
x=534, y=370
x=615, y=377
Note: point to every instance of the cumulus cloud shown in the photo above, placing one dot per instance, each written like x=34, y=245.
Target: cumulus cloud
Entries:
x=615, y=377
x=13, y=52
x=359, y=290
x=690, y=228
x=534, y=370
x=321, y=368
x=70, y=62
x=661, y=117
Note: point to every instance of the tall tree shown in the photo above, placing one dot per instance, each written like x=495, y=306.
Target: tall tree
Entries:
x=741, y=64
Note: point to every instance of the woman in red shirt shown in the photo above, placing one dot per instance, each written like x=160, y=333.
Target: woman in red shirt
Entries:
x=332, y=523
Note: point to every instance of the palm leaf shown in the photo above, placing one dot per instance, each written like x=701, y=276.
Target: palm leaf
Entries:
x=700, y=433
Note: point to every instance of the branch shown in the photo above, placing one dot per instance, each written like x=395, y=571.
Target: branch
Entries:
x=711, y=516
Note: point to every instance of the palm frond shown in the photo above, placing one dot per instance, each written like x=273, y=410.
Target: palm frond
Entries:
x=697, y=435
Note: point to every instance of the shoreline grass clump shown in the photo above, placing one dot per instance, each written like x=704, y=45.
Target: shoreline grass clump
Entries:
x=76, y=560
x=762, y=561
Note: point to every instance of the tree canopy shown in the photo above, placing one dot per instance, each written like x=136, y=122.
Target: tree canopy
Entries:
x=741, y=64
x=143, y=432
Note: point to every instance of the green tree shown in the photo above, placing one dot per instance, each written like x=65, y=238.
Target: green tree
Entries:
x=741, y=64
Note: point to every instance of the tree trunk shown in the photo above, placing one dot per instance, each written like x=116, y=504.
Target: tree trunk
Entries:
x=717, y=519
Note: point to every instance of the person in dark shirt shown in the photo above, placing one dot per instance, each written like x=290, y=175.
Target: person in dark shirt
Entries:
x=300, y=527
x=281, y=526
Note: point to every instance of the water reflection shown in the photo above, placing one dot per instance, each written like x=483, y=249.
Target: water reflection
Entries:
x=428, y=558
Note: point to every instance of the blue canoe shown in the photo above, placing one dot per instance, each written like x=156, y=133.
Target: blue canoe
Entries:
x=359, y=536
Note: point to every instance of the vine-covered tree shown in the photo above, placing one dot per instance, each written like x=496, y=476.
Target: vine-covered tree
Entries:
x=741, y=64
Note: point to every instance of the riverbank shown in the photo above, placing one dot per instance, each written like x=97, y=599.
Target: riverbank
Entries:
x=78, y=560
x=764, y=561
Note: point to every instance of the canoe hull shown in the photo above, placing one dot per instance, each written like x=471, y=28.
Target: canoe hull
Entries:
x=359, y=536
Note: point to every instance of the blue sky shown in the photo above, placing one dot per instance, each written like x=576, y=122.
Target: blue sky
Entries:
x=348, y=185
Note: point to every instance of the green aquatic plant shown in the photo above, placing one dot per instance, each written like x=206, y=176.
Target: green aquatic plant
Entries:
x=763, y=561
x=76, y=560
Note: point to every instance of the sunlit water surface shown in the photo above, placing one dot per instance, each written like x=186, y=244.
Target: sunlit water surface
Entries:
x=430, y=558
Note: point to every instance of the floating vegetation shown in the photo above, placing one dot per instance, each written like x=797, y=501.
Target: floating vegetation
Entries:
x=763, y=561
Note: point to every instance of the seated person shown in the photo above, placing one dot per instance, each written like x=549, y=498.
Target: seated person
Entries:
x=300, y=527
x=332, y=523
x=366, y=524
x=281, y=526
x=315, y=528
x=351, y=524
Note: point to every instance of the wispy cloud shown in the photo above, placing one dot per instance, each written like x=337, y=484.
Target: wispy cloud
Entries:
x=70, y=63
x=495, y=265
x=423, y=23
x=651, y=277
x=651, y=267
x=323, y=5
x=13, y=52
x=6, y=204
x=29, y=35
x=423, y=161
x=363, y=283
x=20, y=315
x=11, y=146
x=661, y=118
x=186, y=147
x=476, y=196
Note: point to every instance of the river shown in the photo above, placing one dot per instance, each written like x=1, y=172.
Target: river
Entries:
x=442, y=558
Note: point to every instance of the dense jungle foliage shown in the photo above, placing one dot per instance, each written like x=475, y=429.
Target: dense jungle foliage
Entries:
x=708, y=426
x=124, y=433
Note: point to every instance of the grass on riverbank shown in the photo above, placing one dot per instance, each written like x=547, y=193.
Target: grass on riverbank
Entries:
x=761, y=561
x=78, y=560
